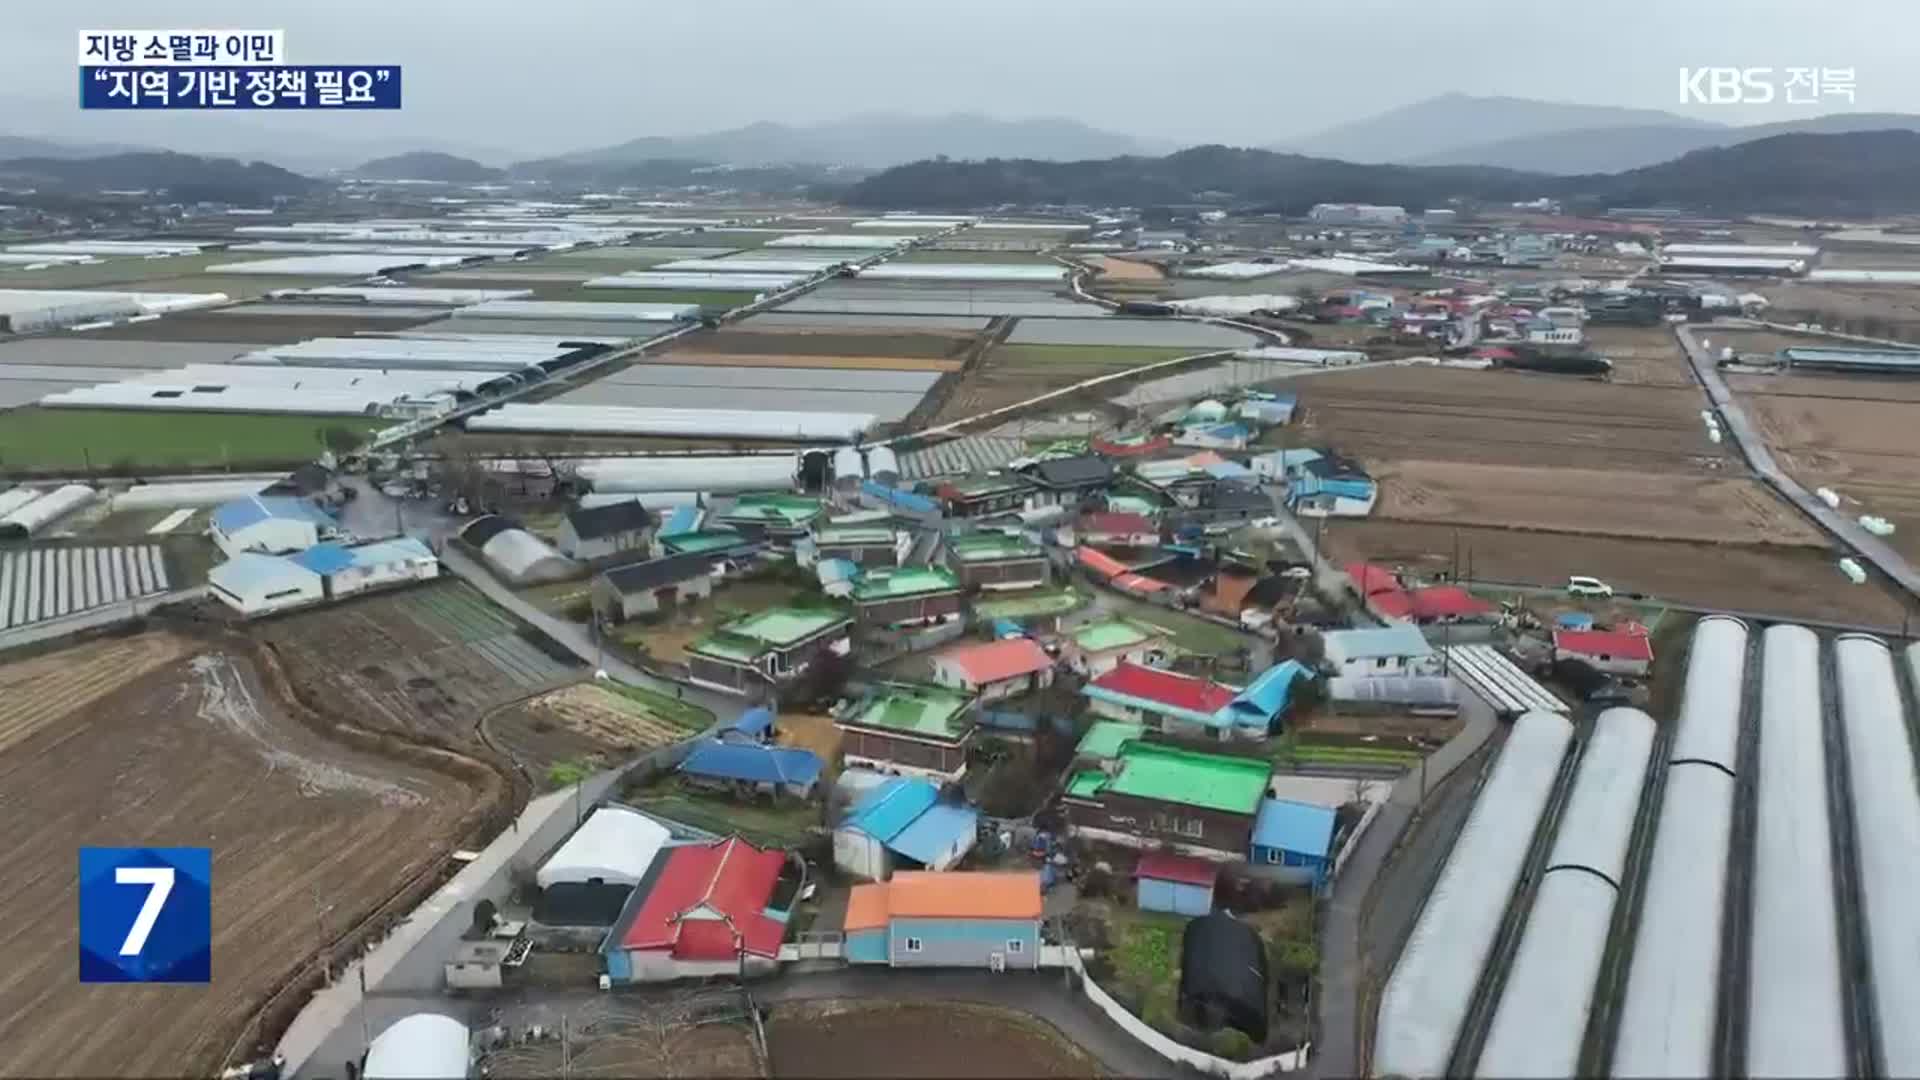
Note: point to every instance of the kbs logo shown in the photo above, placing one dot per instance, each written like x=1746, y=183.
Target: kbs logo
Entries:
x=1760, y=86
x=146, y=915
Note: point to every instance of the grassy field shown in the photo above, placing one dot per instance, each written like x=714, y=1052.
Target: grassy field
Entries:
x=785, y=824
x=1189, y=634
x=34, y=439
x=1146, y=961
x=1115, y=356
x=1036, y=603
x=686, y=715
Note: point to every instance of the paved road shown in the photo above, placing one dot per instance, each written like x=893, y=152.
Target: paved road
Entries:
x=1353, y=933
x=1843, y=528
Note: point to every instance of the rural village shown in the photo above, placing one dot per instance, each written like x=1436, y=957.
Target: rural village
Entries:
x=640, y=634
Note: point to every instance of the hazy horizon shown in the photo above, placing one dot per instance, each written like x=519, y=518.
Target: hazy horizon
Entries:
x=513, y=81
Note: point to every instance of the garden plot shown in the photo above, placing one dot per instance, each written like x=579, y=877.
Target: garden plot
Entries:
x=1182, y=333
x=891, y=1040
x=427, y=661
x=48, y=582
x=592, y=721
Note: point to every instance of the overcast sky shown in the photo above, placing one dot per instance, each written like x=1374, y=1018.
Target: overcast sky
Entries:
x=545, y=76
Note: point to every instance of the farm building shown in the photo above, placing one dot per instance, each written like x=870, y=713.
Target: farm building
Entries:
x=1611, y=651
x=975, y=919
x=1420, y=695
x=1095, y=648
x=1294, y=835
x=991, y=560
x=1273, y=410
x=1857, y=361
x=1277, y=465
x=1117, y=530
x=615, y=846
x=1391, y=650
x=984, y=495
x=903, y=824
x=270, y=525
x=702, y=910
x=1200, y=804
x=1231, y=435
x=753, y=768
x=995, y=669
x=1180, y=884
x=599, y=531
x=1158, y=700
x=663, y=584
x=255, y=584
x=861, y=545
x=767, y=649
x=1223, y=976
x=1064, y=481
x=349, y=570
x=910, y=728
x=906, y=597
x=1331, y=486
x=514, y=554
x=417, y=1046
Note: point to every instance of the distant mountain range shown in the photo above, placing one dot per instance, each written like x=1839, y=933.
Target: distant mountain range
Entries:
x=183, y=177
x=1417, y=133
x=1857, y=173
x=427, y=165
x=872, y=141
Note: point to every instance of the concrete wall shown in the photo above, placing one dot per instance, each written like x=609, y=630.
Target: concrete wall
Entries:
x=1177, y=1053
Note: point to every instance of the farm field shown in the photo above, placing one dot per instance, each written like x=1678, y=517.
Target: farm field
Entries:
x=711, y=299
x=424, y=662
x=161, y=740
x=128, y=273
x=970, y=255
x=1502, y=418
x=614, y=1049
x=1013, y=373
x=1797, y=582
x=58, y=440
x=1130, y=270
x=590, y=721
x=806, y=360
x=786, y=342
x=1617, y=502
x=860, y=1039
x=1642, y=355
x=1864, y=448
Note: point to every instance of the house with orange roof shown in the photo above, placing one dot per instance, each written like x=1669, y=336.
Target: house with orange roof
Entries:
x=966, y=919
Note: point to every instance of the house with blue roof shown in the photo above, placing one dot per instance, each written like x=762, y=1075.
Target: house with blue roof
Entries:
x=902, y=824
x=754, y=725
x=271, y=525
x=1257, y=711
x=1293, y=841
x=1231, y=435
x=1398, y=649
x=741, y=767
x=256, y=584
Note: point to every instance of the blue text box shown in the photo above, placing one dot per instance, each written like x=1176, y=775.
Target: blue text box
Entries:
x=146, y=915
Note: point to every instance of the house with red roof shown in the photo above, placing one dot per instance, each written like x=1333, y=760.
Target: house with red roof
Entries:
x=1447, y=603
x=1160, y=700
x=995, y=669
x=703, y=910
x=1615, y=652
x=1114, y=528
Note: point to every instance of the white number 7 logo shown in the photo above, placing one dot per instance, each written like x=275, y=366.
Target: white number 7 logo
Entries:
x=159, y=882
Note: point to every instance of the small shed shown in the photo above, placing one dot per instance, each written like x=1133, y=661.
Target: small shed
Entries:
x=1177, y=883
x=1223, y=976
x=1296, y=837
x=754, y=725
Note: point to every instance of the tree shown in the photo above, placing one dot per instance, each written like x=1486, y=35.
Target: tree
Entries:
x=340, y=439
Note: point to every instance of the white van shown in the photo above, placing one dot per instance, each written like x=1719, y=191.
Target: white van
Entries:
x=1588, y=586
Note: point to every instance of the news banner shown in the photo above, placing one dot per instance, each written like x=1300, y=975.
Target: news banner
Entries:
x=221, y=69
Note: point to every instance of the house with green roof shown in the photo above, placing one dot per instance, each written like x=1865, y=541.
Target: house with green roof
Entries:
x=906, y=728
x=1095, y=648
x=1149, y=794
x=910, y=596
x=767, y=650
x=996, y=560
x=863, y=544
x=783, y=517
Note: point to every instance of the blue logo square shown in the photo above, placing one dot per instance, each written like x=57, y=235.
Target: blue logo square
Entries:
x=146, y=915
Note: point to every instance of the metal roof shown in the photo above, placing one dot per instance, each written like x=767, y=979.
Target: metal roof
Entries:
x=1795, y=1023
x=334, y=265
x=885, y=811
x=1886, y=829
x=1302, y=828
x=844, y=241
x=1546, y=1001
x=324, y=559
x=242, y=513
x=1499, y=682
x=756, y=472
x=707, y=423
x=935, y=832
x=965, y=271
x=1377, y=642
x=616, y=845
x=958, y=457
x=790, y=264
x=1426, y=999
x=667, y=279
x=580, y=309
x=250, y=572
x=755, y=763
x=423, y=1046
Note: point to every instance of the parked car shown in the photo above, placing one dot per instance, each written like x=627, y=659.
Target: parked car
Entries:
x=1588, y=586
